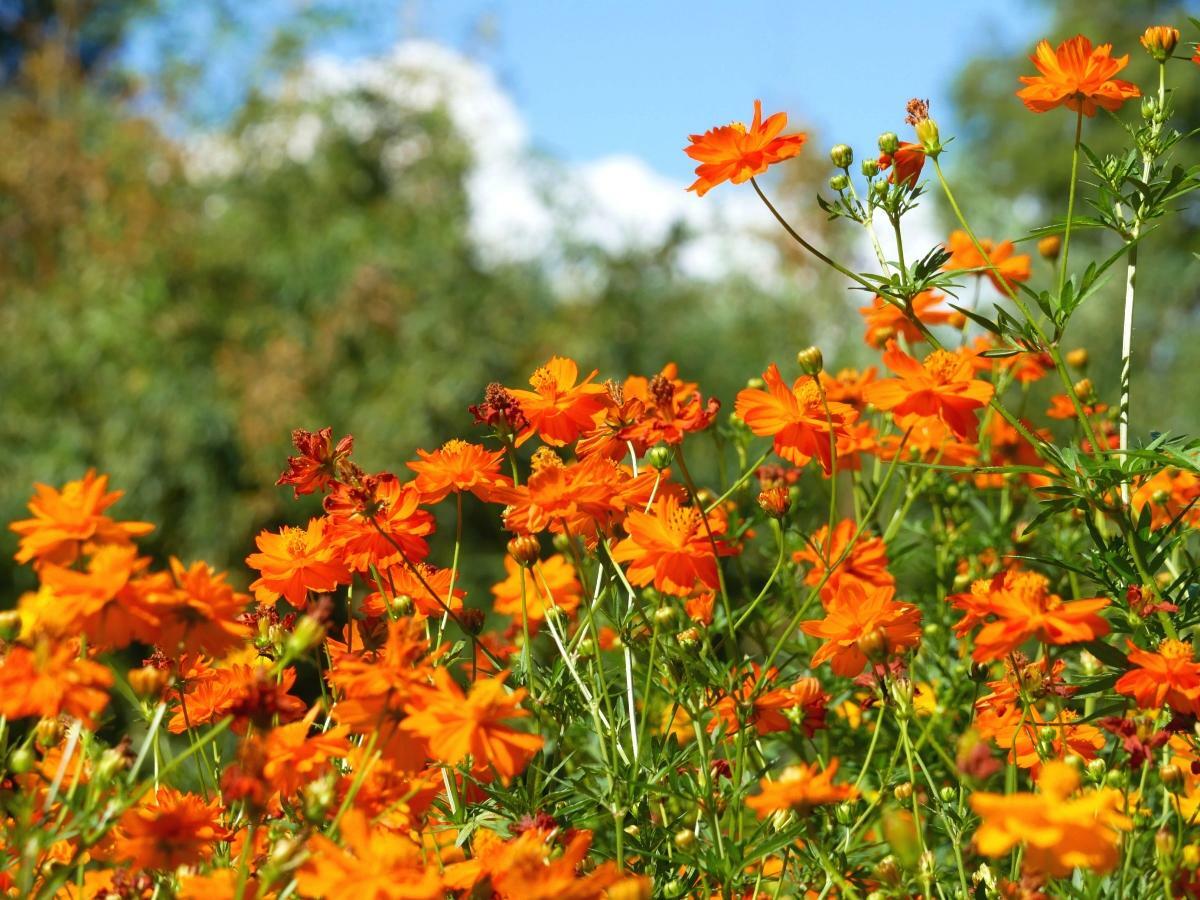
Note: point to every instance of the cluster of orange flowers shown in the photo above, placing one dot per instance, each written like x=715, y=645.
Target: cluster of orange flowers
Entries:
x=350, y=726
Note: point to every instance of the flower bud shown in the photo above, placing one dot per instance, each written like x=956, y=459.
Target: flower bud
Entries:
x=1160, y=41
x=307, y=634
x=1116, y=778
x=903, y=792
x=684, y=838
x=110, y=764
x=21, y=761
x=632, y=830
x=841, y=156
x=811, y=361
x=149, y=682
x=49, y=731
x=1096, y=769
x=929, y=137
x=524, y=549
x=889, y=143
x=874, y=644
x=844, y=813
x=1077, y=358
x=689, y=637
x=755, y=384
x=1084, y=389
x=472, y=620
x=664, y=614
x=775, y=501
x=1164, y=844
x=1171, y=776
x=318, y=797
x=1149, y=107
x=948, y=795
x=402, y=605
x=879, y=189
x=659, y=457
x=586, y=647
x=839, y=183
x=10, y=624
x=870, y=168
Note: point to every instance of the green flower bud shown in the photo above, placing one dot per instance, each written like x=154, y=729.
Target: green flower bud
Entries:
x=839, y=183
x=870, y=168
x=888, y=143
x=841, y=156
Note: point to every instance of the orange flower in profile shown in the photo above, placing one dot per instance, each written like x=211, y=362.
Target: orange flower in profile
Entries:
x=1077, y=76
x=368, y=864
x=294, y=562
x=458, y=466
x=1168, y=676
x=1160, y=41
x=169, y=830
x=736, y=153
x=558, y=409
x=908, y=160
x=886, y=321
x=671, y=547
x=70, y=521
x=551, y=582
x=862, y=614
x=317, y=465
x=1023, y=607
x=999, y=262
x=866, y=561
x=939, y=386
x=799, y=418
x=801, y=788
x=472, y=725
x=50, y=680
x=1059, y=834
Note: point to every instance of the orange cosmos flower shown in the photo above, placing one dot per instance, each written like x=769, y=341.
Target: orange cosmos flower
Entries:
x=1077, y=76
x=999, y=262
x=248, y=692
x=551, y=582
x=294, y=562
x=801, y=788
x=799, y=418
x=1019, y=734
x=672, y=409
x=908, y=160
x=104, y=602
x=369, y=864
x=866, y=562
x=201, y=612
x=1023, y=607
x=456, y=467
x=1059, y=834
x=848, y=384
x=583, y=497
x=458, y=726
x=366, y=523
x=295, y=757
x=425, y=591
x=861, y=611
x=169, y=830
x=886, y=321
x=70, y=521
x=1061, y=407
x=376, y=682
x=558, y=409
x=939, y=386
x=671, y=547
x=1169, y=676
x=765, y=712
x=319, y=461
x=50, y=680
x=1171, y=493
x=736, y=153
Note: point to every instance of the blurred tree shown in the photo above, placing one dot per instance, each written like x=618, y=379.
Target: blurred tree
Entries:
x=1013, y=166
x=89, y=32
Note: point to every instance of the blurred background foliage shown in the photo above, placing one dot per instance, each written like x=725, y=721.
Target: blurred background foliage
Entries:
x=171, y=329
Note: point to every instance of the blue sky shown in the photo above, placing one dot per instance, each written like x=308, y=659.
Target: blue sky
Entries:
x=620, y=76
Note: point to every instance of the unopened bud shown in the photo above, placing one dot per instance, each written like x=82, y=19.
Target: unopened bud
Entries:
x=874, y=644
x=1160, y=41
x=307, y=634
x=1077, y=358
x=689, y=637
x=10, y=624
x=903, y=792
x=110, y=764
x=49, y=731
x=1049, y=246
x=839, y=183
x=775, y=501
x=870, y=168
x=888, y=871
x=948, y=795
x=1171, y=776
x=664, y=614
x=524, y=548
x=844, y=813
x=472, y=620
x=21, y=761
x=1096, y=769
x=149, y=682
x=402, y=605
x=1084, y=388
x=811, y=361
x=841, y=156
x=684, y=838
x=659, y=457
x=889, y=143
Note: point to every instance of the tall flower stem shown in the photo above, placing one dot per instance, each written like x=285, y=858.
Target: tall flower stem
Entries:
x=1066, y=248
x=1131, y=288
